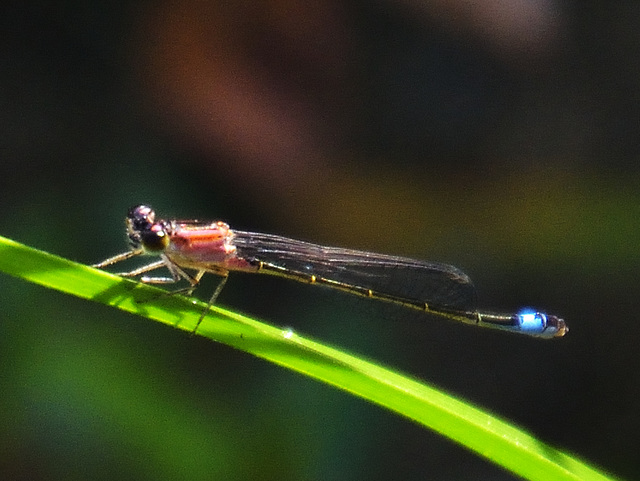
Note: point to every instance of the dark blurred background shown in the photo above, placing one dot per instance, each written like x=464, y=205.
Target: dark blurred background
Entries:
x=498, y=136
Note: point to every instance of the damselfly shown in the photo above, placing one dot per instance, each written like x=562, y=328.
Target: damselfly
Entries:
x=433, y=288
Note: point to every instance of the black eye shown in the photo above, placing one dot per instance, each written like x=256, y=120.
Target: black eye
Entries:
x=155, y=238
x=140, y=218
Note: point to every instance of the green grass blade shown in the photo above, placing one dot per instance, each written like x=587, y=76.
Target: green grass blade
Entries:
x=483, y=433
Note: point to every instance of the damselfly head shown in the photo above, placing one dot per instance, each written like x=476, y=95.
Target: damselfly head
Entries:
x=143, y=231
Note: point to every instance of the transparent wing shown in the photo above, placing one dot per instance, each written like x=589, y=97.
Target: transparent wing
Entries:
x=430, y=282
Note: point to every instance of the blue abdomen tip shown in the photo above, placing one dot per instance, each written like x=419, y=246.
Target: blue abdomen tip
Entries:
x=532, y=321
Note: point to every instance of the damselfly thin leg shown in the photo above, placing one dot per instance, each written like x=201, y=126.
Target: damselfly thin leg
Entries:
x=177, y=274
x=194, y=281
x=212, y=300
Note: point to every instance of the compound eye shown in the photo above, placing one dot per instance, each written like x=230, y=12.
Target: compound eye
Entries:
x=154, y=238
x=141, y=217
